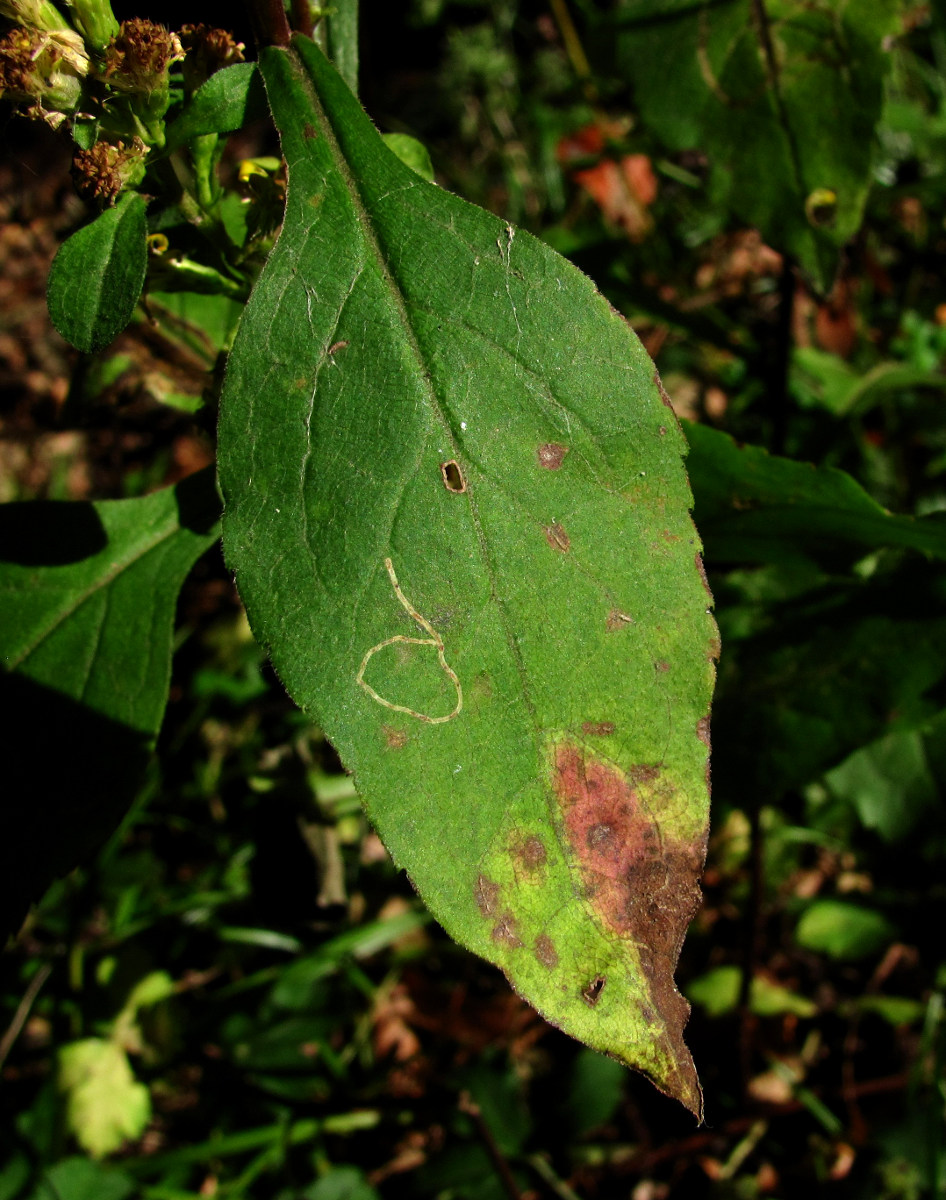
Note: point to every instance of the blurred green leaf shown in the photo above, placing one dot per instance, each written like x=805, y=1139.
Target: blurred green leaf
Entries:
x=895, y=1010
x=889, y=782
x=718, y=992
x=83, y=1179
x=98, y=273
x=595, y=1090
x=105, y=1105
x=341, y=1183
x=842, y=390
x=842, y=930
x=782, y=95
x=296, y=983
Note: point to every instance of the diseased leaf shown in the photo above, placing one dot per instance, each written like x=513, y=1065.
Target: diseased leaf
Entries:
x=98, y=273
x=782, y=95
x=458, y=516
x=87, y=598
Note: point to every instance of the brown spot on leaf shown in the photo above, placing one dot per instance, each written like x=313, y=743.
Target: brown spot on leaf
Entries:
x=505, y=930
x=453, y=479
x=557, y=538
x=715, y=648
x=703, y=730
x=486, y=894
x=552, y=455
x=308, y=132
x=531, y=852
x=642, y=883
x=598, y=728
x=335, y=347
x=591, y=992
x=663, y=394
x=662, y=665
x=545, y=951
x=396, y=739
x=698, y=559
x=617, y=620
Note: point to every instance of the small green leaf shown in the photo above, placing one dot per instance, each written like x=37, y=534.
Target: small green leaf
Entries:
x=412, y=153
x=341, y=1183
x=87, y=600
x=843, y=931
x=105, y=1105
x=97, y=275
x=227, y=101
x=718, y=992
x=457, y=512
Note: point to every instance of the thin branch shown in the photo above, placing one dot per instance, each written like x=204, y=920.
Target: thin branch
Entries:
x=23, y=1011
x=467, y=1105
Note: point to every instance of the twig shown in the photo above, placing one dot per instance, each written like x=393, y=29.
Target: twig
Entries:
x=467, y=1105
x=23, y=1011
x=270, y=26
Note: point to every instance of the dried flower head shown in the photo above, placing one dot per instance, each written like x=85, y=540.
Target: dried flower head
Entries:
x=44, y=67
x=207, y=50
x=138, y=58
x=104, y=170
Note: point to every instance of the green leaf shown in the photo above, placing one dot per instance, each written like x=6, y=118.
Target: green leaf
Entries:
x=751, y=506
x=843, y=931
x=836, y=386
x=718, y=992
x=889, y=783
x=341, y=19
x=87, y=599
x=97, y=275
x=412, y=153
x=105, y=1105
x=227, y=101
x=457, y=512
x=83, y=1179
x=341, y=1183
x=782, y=95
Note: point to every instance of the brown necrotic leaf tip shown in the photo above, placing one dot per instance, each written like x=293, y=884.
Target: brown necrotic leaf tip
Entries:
x=642, y=882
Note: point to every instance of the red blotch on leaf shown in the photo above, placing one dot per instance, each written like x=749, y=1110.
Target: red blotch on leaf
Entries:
x=643, y=884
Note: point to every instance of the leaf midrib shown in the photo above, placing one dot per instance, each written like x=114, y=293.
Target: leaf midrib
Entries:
x=396, y=294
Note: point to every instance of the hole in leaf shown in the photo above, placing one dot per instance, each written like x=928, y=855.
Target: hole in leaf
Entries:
x=453, y=480
x=591, y=994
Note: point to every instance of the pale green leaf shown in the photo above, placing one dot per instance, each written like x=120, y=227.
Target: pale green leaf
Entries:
x=457, y=511
x=842, y=930
x=105, y=1104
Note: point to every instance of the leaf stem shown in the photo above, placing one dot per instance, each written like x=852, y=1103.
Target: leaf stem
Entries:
x=468, y=1105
